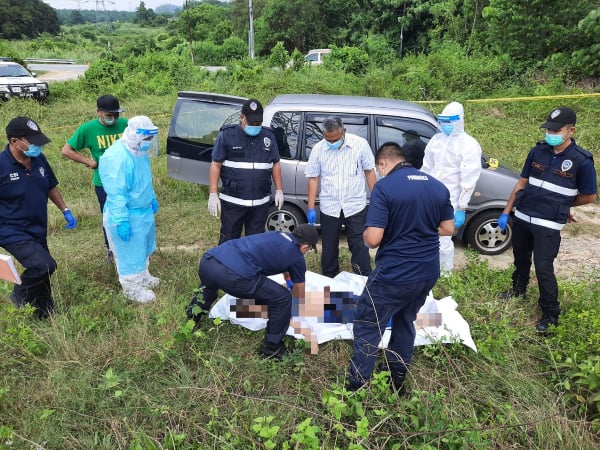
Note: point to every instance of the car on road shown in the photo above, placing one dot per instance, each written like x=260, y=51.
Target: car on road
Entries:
x=296, y=120
x=17, y=81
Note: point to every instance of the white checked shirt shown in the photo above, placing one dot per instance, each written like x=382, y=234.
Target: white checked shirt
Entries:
x=342, y=175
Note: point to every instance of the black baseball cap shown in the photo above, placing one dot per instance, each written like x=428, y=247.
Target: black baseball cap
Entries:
x=306, y=234
x=559, y=118
x=109, y=103
x=24, y=127
x=253, y=110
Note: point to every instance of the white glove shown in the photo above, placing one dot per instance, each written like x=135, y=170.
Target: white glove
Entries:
x=279, y=199
x=214, y=204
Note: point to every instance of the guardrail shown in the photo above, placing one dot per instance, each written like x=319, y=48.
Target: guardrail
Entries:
x=49, y=61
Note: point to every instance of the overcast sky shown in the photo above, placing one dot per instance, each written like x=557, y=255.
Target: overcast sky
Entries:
x=118, y=5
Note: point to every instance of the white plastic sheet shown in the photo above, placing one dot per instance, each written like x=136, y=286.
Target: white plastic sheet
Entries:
x=454, y=327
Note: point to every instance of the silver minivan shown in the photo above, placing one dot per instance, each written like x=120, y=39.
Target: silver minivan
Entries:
x=296, y=120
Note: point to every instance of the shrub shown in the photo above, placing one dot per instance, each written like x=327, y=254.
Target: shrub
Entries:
x=279, y=56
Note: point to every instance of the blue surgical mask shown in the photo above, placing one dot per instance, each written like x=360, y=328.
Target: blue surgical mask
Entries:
x=334, y=145
x=109, y=122
x=252, y=130
x=145, y=146
x=447, y=128
x=33, y=151
x=554, y=139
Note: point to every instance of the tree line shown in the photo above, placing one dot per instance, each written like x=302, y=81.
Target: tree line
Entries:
x=531, y=34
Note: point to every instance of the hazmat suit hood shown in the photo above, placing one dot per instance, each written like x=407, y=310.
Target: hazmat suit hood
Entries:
x=133, y=134
x=456, y=114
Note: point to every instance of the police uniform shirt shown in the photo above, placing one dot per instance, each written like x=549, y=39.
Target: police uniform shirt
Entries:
x=247, y=164
x=24, y=198
x=409, y=205
x=268, y=253
x=551, y=176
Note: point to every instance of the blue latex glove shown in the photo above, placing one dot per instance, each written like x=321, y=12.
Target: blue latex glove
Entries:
x=503, y=221
x=290, y=284
x=70, y=218
x=124, y=231
x=311, y=216
x=459, y=218
x=154, y=205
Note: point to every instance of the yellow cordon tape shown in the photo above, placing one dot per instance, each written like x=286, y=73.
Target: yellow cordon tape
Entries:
x=516, y=99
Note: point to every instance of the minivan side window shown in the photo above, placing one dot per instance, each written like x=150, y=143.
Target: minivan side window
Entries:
x=412, y=136
x=354, y=124
x=285, y=126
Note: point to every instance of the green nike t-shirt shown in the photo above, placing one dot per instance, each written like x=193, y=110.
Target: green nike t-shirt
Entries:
x=97, y=137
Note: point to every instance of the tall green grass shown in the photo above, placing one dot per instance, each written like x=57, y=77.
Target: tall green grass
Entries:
x=108, y=374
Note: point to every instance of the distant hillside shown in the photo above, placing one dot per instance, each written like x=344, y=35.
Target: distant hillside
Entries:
x=167, y=9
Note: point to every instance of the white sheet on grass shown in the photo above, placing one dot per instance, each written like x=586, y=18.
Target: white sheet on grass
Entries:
x=454, y=327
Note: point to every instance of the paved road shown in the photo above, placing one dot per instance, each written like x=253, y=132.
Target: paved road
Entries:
x=58, y=72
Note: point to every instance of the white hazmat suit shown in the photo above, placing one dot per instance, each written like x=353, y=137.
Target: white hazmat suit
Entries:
x=454, y=158
x=130, y=207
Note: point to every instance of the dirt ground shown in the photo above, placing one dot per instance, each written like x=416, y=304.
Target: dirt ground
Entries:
x=579, y=255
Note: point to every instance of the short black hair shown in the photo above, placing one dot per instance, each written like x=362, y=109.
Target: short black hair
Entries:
x=332, y=124
x=391, y=150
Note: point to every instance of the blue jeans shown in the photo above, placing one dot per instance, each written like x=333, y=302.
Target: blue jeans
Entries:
x=377, y=304
x=35, y=286
x=215, y=276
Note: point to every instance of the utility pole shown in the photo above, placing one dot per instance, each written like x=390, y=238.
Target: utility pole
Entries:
x=251, y=32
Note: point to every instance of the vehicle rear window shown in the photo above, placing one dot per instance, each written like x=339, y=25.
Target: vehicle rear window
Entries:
x=201, y=122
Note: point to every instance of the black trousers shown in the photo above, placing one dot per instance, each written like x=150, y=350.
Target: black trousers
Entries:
x=330, y=236
x=543, y=243
x=235, y=217
x=215, y=276
x=101, y=196
x=35, y=288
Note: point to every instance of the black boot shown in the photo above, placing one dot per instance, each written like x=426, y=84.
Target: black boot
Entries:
x=544, y=323
x=270, y=351
x=397, y=380
x=516, y=293
x=198, y=316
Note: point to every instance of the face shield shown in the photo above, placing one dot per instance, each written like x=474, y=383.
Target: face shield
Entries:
x=147, y=139
x=447, y=123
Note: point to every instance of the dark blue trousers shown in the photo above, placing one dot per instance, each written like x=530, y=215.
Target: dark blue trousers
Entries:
x=330, y=241
x=377, y=304
x=35, y=288
x=101, y=196
x=235, y=217
x=543, y=243
x=215, y=276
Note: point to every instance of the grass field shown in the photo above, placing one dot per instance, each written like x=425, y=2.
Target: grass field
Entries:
x=109, y=374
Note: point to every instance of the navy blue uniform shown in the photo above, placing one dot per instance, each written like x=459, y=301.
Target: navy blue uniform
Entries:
x=240, y=267
x=23, y=226
x=409, y=205
x=246, y=179
x=541, y=211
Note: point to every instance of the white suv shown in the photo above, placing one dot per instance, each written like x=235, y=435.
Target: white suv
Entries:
x=16, y=81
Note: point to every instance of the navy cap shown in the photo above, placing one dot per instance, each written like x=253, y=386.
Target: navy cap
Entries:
x=559, y=118
x=253, y=111
x=24, y=127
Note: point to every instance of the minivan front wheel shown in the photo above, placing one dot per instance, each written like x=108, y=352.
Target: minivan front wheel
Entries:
x=485, y=236
x=285, y=219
